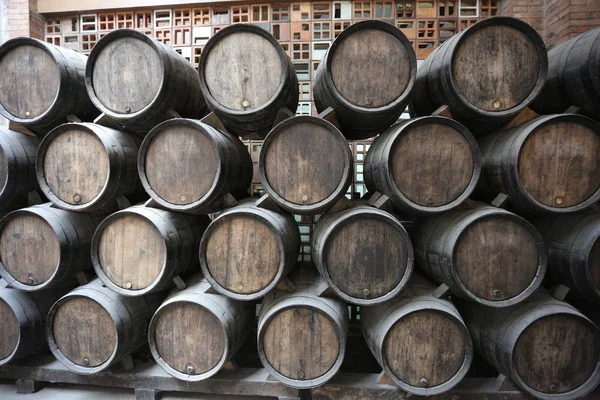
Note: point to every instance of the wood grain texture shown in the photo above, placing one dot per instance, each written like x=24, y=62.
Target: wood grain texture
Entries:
x=566, y=155
x=496, y=258
x=132, y=252
x=83, y=329
x=243, y=71
x=425, y=344
x=243, y=254
x=29, y=81
x=432, y=164
x=507, y=70
x=557, y=350
x=181, y=164
x=188, y=335
x=76, y=166
x=301, y=343
x=29, y=249
x=372, y=78
x=127, y=75
x=11, y=331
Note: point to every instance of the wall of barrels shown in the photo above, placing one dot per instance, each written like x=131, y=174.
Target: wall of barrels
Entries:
x=129, y=220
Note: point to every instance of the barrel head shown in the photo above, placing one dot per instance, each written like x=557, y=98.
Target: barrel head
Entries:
x=11, y=331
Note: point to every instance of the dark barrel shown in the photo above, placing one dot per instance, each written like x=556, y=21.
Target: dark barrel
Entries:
x=92, y=327
x=549, y=164
x=484, y=254
x=420, y=341
x=486, y=74
x=139, y=82
x=573, y=77
x=194, y=332
x=543, y=345
x=301, y=336
x=43, y=246
x=305, y=165
x=41, y=84
x=140, y=250
x=17, y=168
x=363, y=253
x=188, y=166
x=247, y=250
x=425, y=165
x=246, y=78
x=86, y=167
x=366, y=76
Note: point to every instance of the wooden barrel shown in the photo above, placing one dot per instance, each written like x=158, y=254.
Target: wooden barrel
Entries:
x=188, y=166
x=545, y=346
x=140, y=250
x=573, y=77
x=246, y=78
x=41, y=84
x=366, y=76
x=484, y=254
x=92, y=327
x=86, y=167
x=420, y=341
x=248, y=249
x=363, y=253
x=564, y=149
x=194, y=332
x=44, y=247
x=305, y=165
x=139, y=82
x=17, y=168
x=425, y=165
x=301, y=336
x=483, y=94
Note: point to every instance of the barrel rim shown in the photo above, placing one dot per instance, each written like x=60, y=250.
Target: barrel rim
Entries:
x=232, y=29
x=376, y=25
x=20, y=316
x=9, y=154
x=594, y=64
x=338, y=192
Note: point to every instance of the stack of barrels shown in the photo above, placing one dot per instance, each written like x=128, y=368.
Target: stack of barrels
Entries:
x=149, y=235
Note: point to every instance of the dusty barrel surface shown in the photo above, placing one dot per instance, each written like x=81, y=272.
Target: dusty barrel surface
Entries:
x=363, y=253
x=247, y=250
x=420, y=341
x=544, y=345
x=41, y=84
x=43, y=246
x=367, y=89
x=17, y=168
x=188, y=166
x=305, y=165
x=483, y=95
x=301, y=336
x=139, y=82
x=456, y=248
x=573, y=78
x=195, y=332
x=564, y=149
x=86, y=167
x=246, y=78
x=140, y=250
x=426, y=165
x=91, y=328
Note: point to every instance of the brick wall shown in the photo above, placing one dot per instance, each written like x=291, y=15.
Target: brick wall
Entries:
x=20, y=18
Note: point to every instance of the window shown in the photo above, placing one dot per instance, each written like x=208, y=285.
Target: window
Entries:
x=163, y=36
x=196, y=53
x=304, y=108
x=301, y=31
x=162, y=19
x=240, y=14
x=361, y=10
x=300, y=51
x=124, y=20
x=339, y=26
x=201, y=16
x=408, y=27
x=321, y=30
x=54, y=39
x=281, y=31
x=300, y=11
x=427, y=29
x=89, y=23
x=143, y=20
x=220, y=16
x=405, y=9
x=302, y=71
x=384, y=9
x=182, y=17
x=488, y=8
x=304, y=88
x=53, y=26
x=465, y=23
x=88, y=40
x=280, y=12
x=260, y=13
x=182, y=36
x=321, y=11
x=468, y=8
x=446, y=8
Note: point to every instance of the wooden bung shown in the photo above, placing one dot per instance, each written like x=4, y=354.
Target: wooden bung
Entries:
x=248, y=249
x=302, y=336
x=195, y=332
x=140, y=250
x=45, y=247
x=363, y=253
x=92, y=327
x=425, y=165
x=188, y=166
x=367, y=89
x=484, y=254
